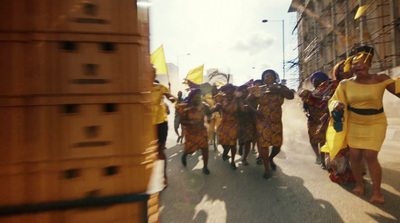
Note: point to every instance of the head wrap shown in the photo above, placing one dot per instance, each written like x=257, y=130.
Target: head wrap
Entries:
x=272, y=72
x=335, y=72
x=258, y=81
x=358, y=52
x=227, y=87
x=191, y=95
x=321, y=75
x=244, y=86
x=249, y=83
x=362, y=49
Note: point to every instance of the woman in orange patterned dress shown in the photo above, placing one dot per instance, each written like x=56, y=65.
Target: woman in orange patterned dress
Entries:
x=247, y=128
x=228, y=104
x=192, y=118
x=269, y=98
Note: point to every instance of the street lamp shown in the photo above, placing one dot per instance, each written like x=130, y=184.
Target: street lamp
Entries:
x=177, y=61
x=283, y=40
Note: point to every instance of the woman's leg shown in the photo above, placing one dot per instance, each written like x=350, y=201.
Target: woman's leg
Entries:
x=225, y=153
x=161, y=156
x=265, y=157
x=246, y=152
x=233, y=153
x=322, y=156
x=204, y=153
x=241, y=144
x=275, y=151
x=375, y=170
x=183, y=158
x=181, y=134
x=211, y=131
x=356, y=167
x=253, y=146
x=316, y=151
x=259, y=151
x=176, y=127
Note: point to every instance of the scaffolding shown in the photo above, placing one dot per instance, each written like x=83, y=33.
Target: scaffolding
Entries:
x=327, y=31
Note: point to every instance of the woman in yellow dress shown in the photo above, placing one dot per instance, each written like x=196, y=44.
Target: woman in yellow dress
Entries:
x=215, y=117
x=192, y=114
x=359, y=100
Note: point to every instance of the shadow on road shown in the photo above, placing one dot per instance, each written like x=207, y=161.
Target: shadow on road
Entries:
x=236, y=196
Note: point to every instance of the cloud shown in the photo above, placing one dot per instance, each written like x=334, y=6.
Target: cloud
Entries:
x=254, y=43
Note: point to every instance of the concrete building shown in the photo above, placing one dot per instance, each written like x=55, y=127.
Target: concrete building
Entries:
x=327, y=31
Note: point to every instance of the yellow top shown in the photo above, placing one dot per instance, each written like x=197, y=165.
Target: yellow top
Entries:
x=359, y=131
x=159, y=111
x=208, y=98
x=397, y=84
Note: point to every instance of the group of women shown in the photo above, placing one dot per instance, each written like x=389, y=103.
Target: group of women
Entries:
x=249, y=113
x=346, y=121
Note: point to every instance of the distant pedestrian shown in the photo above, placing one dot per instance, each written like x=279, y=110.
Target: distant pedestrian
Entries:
x=177, y=119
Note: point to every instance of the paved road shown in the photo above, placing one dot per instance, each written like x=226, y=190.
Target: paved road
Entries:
x=299, y=191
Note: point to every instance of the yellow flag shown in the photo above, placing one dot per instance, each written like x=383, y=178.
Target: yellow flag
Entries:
x=221, y=83
x=158, y=60
x=360, y=11
x=196, y=75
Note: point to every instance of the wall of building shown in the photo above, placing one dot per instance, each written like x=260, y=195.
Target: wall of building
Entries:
x=327, y=31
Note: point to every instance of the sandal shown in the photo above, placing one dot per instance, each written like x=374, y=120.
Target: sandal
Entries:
x=225, y=157
x=233, y=166
x=206, y=171
x=165, y=183
x=272, y=165
x=267, y=175
x=183, y=159
x=259, y=161
x=240, y=150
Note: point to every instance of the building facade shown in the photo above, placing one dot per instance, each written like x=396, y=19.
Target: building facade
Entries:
x=327, y=30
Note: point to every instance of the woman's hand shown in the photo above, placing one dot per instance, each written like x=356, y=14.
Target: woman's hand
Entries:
x=246, y=108
x=307, y=113
x=274, y=87
x=338, y=106
x=326, y=97
x=217, y=107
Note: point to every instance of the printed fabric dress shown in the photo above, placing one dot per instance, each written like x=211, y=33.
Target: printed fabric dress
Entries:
x=315, y=104
x=316, y=134
x=196, y=135
x=269, y=125
x=247, y=126
x=229, y=126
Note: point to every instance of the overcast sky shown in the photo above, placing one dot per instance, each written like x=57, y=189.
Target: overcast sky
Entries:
x=223, y=34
